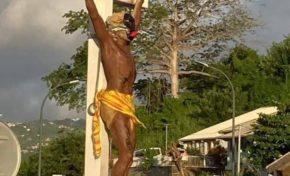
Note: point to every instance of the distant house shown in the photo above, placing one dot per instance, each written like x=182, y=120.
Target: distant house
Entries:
x=281, y=166
x=221, y=134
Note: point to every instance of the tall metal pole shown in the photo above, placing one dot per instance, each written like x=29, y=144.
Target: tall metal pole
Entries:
x=166, y=136
x=41, y=123
x=233, y=115
x=233, y=120
x=239, y=152
x=40, y=134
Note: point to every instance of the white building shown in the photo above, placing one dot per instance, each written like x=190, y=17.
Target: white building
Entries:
x=221, y=133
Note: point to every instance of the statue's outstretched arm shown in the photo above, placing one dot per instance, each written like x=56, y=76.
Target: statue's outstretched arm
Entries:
x=137, y=13
x=98, y=23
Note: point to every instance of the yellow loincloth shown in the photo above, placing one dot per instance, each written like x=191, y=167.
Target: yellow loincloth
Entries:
x=117, y=101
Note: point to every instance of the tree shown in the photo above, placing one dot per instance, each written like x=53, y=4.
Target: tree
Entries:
x=277, y=64
x=272, y=133
x=190, y=30
x=254, y=79
x=63, y=155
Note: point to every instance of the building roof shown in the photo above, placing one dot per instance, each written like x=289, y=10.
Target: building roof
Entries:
x=281, y=164
x=223, y=130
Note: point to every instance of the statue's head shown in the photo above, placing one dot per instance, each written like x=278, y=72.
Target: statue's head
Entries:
x=122, y=24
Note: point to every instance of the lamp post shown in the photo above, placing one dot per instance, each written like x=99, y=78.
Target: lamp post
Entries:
x=41, y=121
x=233, y=115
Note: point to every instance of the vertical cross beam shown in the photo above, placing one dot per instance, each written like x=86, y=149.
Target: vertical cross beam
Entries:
x=96, y=81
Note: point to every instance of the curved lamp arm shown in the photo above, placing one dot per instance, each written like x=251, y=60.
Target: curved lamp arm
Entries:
x=41, y=121
x=233, y=113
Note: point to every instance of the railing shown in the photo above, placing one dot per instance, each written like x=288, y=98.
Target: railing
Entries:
x=202, y=161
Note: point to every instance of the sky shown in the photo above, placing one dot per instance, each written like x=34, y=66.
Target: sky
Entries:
x=32, y=45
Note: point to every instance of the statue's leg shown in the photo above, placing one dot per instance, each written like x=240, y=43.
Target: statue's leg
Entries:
x=124, y=138
x=133, y=143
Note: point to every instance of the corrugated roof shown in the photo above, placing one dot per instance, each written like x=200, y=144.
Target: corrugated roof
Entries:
x=219, y=130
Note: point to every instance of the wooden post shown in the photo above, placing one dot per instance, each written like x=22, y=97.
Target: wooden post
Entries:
x=96, y=81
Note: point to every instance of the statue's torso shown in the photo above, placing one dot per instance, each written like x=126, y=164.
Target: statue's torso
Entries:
x=119, y=67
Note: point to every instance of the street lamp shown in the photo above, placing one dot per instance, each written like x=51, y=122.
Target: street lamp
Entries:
x=233, y=114
x=41, y=120
x=166, y=133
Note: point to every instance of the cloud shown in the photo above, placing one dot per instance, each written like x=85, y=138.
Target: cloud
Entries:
x=273, y=15
x=39, y=19
x=23, y=103
x=31, y=46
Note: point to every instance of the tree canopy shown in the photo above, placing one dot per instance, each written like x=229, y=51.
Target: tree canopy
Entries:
x=188, y=31
x=272, y=133
x=63, y=155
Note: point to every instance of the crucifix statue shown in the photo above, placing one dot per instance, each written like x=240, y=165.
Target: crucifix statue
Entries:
x=112, y=76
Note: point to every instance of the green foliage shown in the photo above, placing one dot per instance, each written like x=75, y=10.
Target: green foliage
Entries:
x=72, y=94
x=28, y=132
x=272, y=133
x=76, y=20
x=219, y=154
x=143, y=47
x=277, y=63
x=63, y=155
x=149, y=160
x=255, y=84
x=259, y=87
x=180, y=114
x=152, y=92
x=249, y=173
